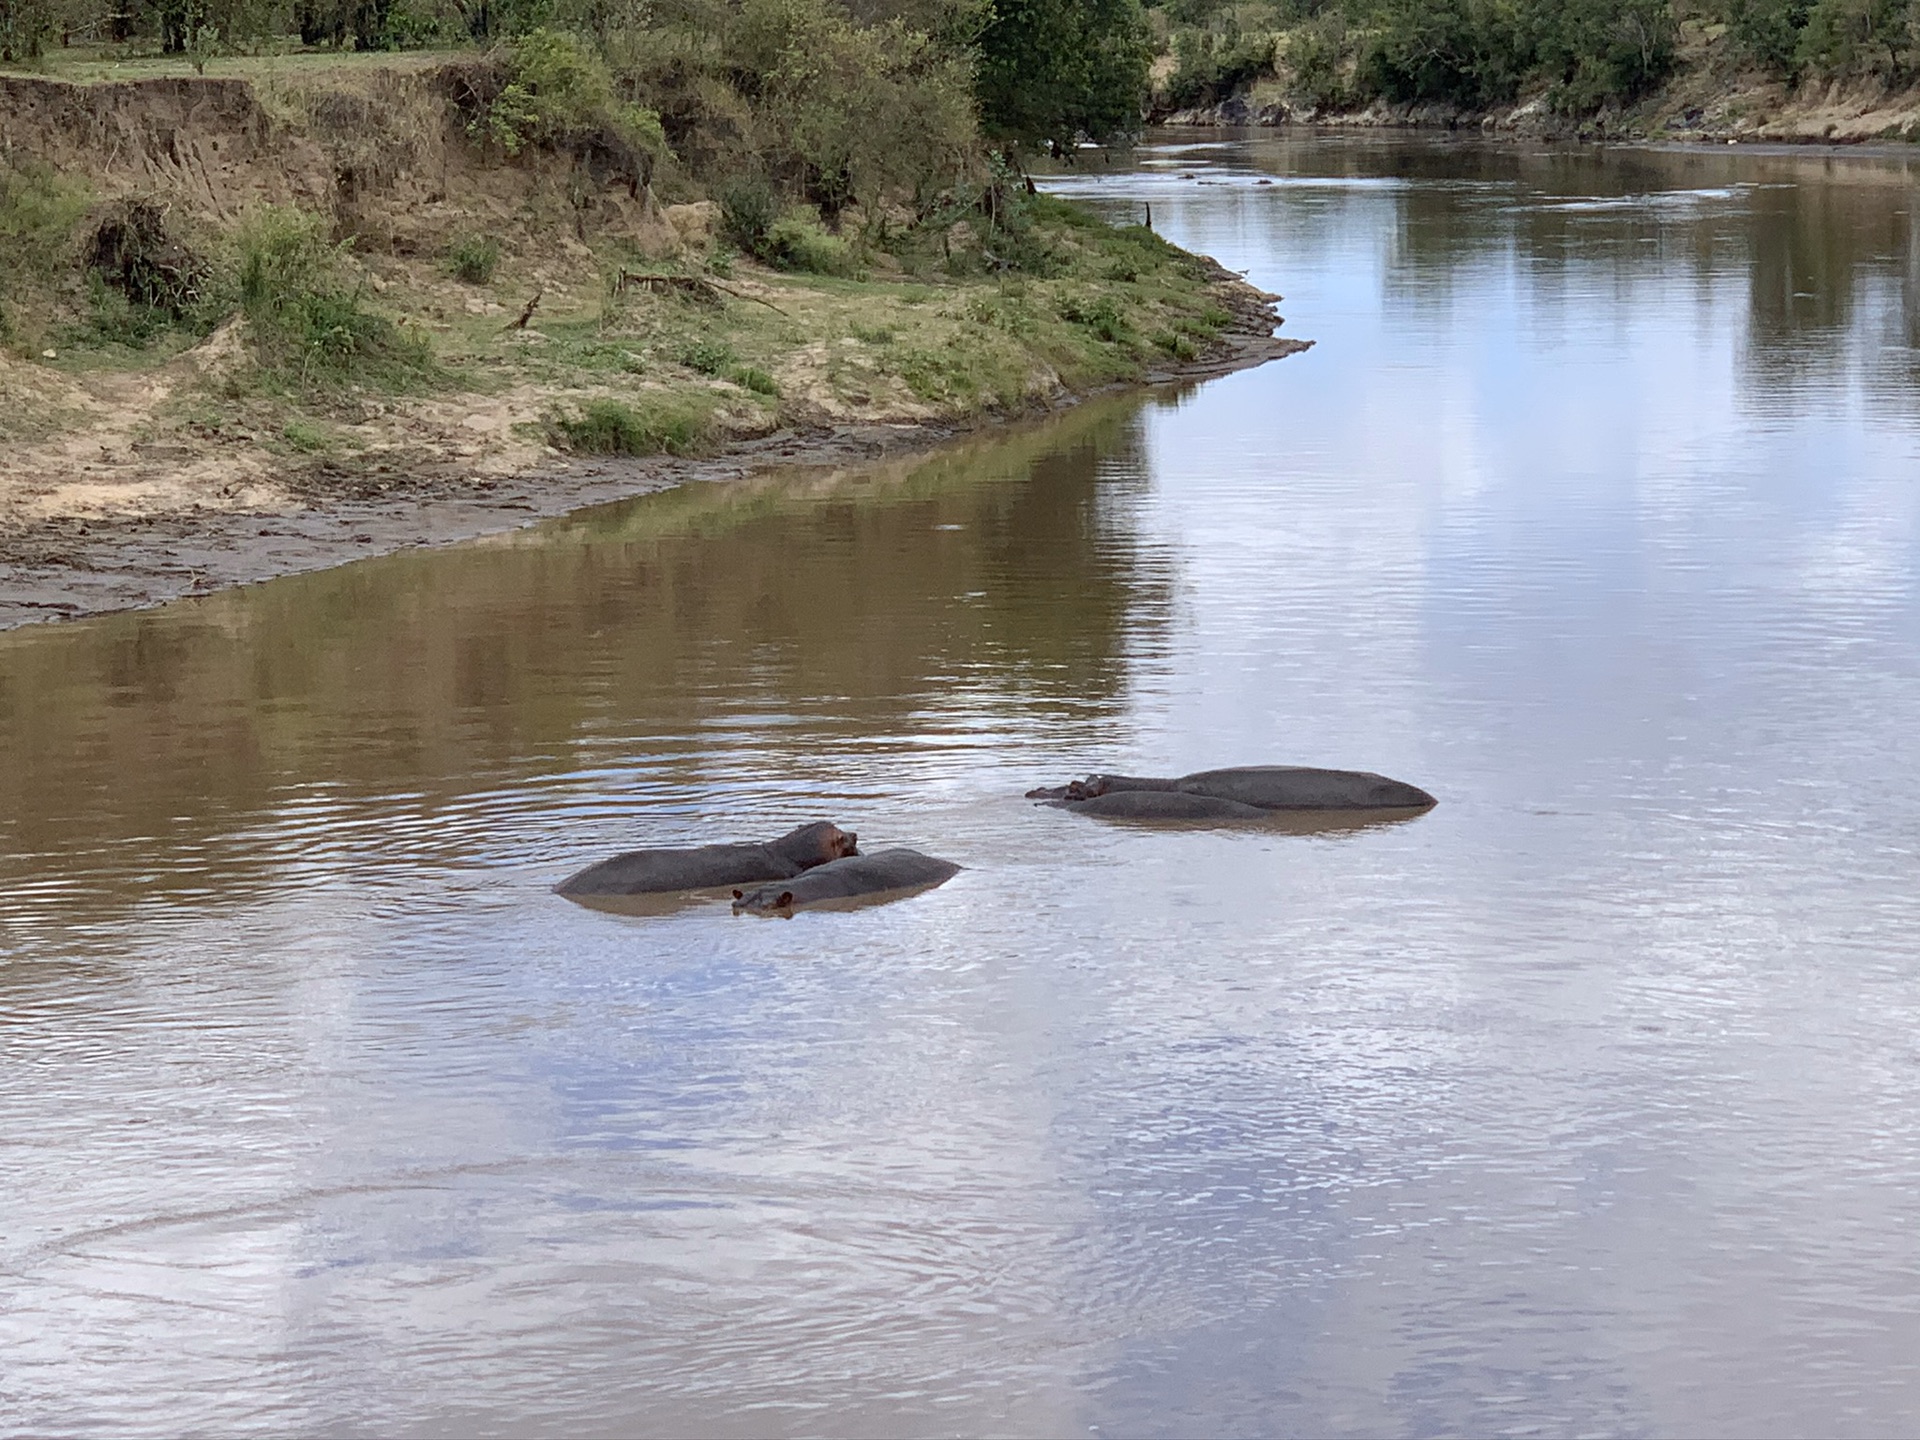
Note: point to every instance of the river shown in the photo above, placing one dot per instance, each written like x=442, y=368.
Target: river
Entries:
x=1587, y=1103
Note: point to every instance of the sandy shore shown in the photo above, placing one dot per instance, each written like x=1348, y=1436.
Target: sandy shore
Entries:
x=57, y=566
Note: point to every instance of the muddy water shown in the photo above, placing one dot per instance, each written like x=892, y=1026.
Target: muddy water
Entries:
x=1589, y=1102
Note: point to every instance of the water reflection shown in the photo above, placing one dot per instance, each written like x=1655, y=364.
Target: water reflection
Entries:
x=800, y=620
x=1823, y=247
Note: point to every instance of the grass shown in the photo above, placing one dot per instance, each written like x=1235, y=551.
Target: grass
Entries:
x=308, y=328
x=474, y=258
x=666, y=425
x=983, y=308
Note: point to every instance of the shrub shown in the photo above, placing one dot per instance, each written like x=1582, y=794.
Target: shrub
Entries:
x=1768, y=32
x=301, y=319
x=758, y=381
x=559, y=94
x=612, y=427
x=796, y=242
x=1317, y=54
x=748, y=208
x=113, y=319
x=38, y=213
x=474, y=258
x=1102, y=317
x=709, y=357
x=1213, y=68
x=131, y=252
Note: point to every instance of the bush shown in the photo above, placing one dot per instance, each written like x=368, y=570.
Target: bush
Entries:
x=748, y=209
x=1102, y=317
x=612, y=427
x=1860, y=37
x=1318, y=53
x=131, y=252
x=796, y=242
x=24, y=28
x=39, y=211
x=1213, y=68
x=1769, y=31
x=709, y=357
x=302, y=321
x=558, y=94
x=1468, y=52
x=474, y=259
x=758, y=381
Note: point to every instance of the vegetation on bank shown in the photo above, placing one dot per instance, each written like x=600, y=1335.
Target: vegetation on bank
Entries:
x=1575, y=56
x=669, y=224
x=892, y=293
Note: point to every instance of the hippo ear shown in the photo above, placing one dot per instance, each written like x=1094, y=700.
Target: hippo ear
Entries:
x=785, y=900
x=739, y=894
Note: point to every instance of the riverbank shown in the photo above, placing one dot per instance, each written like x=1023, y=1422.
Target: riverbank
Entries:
x=1712, y=97
x=278, y=318
x=97, y=561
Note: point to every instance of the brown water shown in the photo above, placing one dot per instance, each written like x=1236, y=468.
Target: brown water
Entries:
x=1588, y=1103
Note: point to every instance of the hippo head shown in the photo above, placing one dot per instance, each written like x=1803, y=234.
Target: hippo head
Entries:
x=817, y=843
x=762, y=901
x=1091, y=788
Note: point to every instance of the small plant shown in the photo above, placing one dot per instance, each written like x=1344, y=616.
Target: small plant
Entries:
x=474, y=258
x=140, y=279
x=1102, y=317
x=709, y=357
x=203, y=43
x=113, y=319
x=1179, y=346
x=304, y=437
x=758, y=381
x=874, y=334
x=612, y=427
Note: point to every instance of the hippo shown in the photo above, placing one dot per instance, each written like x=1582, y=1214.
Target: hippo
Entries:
x=1257, y=788
x=653, y=872
x=851, y=878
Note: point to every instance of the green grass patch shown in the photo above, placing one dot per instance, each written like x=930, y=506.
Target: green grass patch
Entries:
x=709, y=357
x=474, y=258
x=307, y=327
x=668, y=425
x=304, y=437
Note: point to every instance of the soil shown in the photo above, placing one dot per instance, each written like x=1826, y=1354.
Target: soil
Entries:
x=160, y=531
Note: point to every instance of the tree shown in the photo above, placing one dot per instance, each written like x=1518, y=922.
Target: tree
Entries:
x=1051, y=71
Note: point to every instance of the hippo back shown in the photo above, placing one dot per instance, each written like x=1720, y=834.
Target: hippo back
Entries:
x=847, y=879
x=1302, y=787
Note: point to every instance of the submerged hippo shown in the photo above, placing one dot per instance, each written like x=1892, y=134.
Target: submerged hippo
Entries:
x=1244, y=793
x=653, y=872
x=856, y=876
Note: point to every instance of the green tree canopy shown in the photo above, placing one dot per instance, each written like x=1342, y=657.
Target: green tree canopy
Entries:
x=1053, y=70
